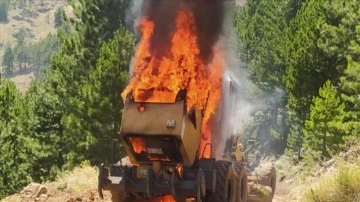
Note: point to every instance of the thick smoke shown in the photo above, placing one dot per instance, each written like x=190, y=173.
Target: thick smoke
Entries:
x=214, y=31
x=208, y=14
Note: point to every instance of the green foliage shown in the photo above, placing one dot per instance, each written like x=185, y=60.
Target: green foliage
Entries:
x=290, y=47
x=20, y=36
x=85, y=86
x=43, y=115
x=318, y=40
x=34, y=55
x=322, y=131
x=22, y=56
x=73, y=110
x=41, y=52
x=350, y=94
x=102, y=93
x=58, y=17
x=4, y=9
x=8, y=60
x=14, y=164
x=295, y=138
x=21, y=51
x=339, y=31
x=260, y=26
x=307, y=67
x=350, y=82
x=294, y=7
x=340, y=40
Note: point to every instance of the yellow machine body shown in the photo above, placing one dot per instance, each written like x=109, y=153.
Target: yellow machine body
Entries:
x=164, y=132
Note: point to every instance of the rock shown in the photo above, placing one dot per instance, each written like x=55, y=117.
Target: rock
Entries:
x=33, y=190
x=18, y=18
x=41, y=190
x=71, y=199
x=42, y=197
x=329, y=163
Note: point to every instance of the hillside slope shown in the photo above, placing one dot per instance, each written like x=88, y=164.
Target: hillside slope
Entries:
x=295, y=182
x=37, y=19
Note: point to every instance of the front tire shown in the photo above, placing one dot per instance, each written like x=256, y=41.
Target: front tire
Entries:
x=225, y=190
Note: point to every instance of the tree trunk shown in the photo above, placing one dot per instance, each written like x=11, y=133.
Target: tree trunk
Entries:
x=324, y=144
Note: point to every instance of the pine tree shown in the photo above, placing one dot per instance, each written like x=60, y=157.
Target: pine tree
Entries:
x=103, y=93
x=322, y=131
x=94, y=24
x=58, y=17
x=260, y=26
x=42, y=121
x=21, y=51
x=4, y=9
x=8, y=60
x=41, y=52
x=307, y=65
x=295, y=138
x=340, y=39
x=14, y=162
x=350, y=86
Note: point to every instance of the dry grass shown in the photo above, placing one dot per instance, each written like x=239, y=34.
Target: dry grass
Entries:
x=81, y=183
x=80, y=179
x=343, y=186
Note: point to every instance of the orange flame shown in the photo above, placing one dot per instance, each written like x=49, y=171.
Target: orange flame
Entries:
x=138, y=144
x=167, y=198
x=159, y=79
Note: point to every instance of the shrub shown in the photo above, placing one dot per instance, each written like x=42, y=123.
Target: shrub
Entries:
x=344, y=186
x=4, y=8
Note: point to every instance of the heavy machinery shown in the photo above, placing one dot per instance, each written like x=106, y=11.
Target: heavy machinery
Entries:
x=162, y=141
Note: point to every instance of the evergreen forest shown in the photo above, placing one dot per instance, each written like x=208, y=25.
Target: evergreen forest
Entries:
x=305, y=51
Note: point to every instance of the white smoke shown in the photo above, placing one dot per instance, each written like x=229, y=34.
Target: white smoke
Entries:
x=134, y=13
x=133, y=16
x=237, y=105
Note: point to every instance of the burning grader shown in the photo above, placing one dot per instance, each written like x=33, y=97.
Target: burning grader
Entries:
x=162, y=144
x=179, y=104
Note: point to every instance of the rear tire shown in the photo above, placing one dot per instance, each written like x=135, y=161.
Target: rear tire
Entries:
x=225, y=190
x=268, y=178
x=241, y=182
